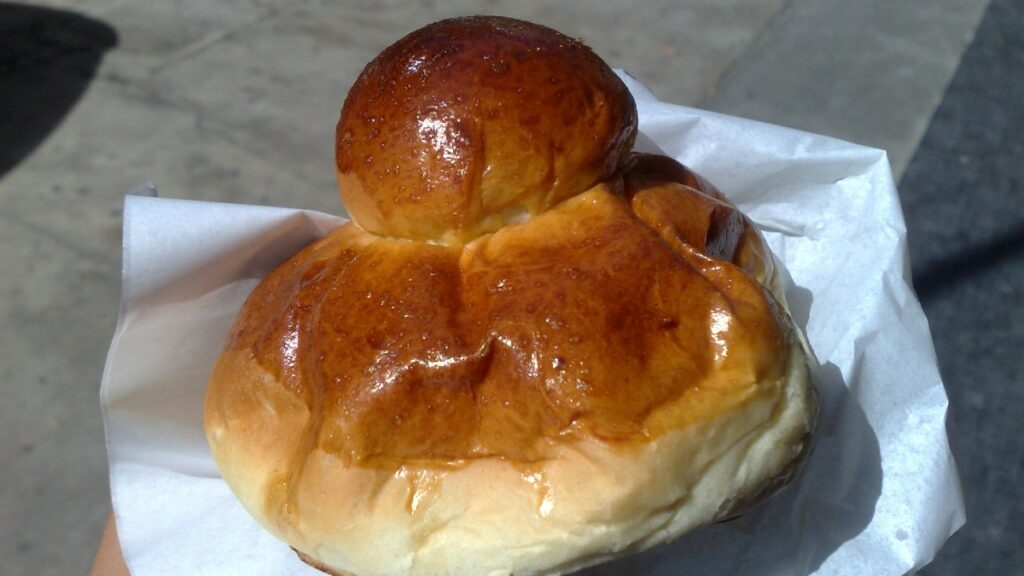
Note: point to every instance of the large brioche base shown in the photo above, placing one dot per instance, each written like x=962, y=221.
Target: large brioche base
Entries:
x=590, y=502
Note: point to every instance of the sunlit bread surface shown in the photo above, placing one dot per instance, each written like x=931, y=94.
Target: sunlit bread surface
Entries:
x=529, y=353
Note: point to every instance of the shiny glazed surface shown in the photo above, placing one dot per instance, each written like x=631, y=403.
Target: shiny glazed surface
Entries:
x=616, y=315
x=471, y=123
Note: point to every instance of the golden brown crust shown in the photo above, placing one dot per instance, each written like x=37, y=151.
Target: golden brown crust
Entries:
x=583, y=321
x=674, y=200
x=472, y=122
x=590, y=501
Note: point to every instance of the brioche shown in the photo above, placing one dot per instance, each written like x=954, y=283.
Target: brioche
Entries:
x=531, y=350
x=468, y=124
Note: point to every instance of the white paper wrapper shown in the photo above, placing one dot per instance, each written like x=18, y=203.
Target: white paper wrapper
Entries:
x=879, y=493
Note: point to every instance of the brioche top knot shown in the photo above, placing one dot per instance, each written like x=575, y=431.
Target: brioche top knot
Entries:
x=468, y=124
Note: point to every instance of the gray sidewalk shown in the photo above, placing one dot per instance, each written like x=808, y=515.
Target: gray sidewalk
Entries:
x=236, y=100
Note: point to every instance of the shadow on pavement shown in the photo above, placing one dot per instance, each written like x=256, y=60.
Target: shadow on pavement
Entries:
x=962, y=193
x=47, y=59
x=968, y=263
